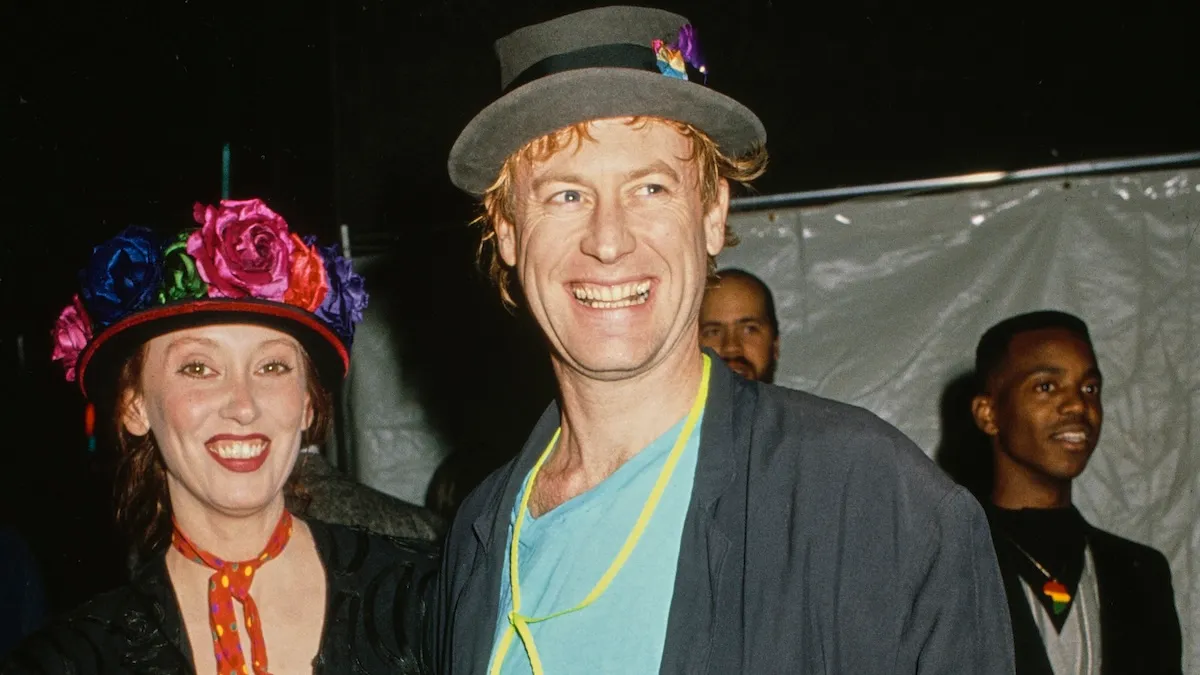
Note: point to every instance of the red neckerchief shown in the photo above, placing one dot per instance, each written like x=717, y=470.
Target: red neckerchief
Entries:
x=232, y=581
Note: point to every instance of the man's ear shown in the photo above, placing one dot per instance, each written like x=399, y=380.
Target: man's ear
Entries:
x=983, y=409
x=506, y=240
x=715, y=219
x=133, y=413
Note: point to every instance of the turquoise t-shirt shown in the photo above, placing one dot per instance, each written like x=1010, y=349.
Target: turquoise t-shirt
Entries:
x=566, y=551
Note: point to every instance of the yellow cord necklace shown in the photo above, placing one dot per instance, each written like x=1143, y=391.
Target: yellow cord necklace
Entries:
x=518, y=624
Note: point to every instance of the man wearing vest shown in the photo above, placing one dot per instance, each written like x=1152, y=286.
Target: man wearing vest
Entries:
x=1082, y=601
x=666, y=516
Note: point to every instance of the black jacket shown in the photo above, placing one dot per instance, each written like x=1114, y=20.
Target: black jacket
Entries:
x=1139, y=627
x=818, y=539
x=375, y=610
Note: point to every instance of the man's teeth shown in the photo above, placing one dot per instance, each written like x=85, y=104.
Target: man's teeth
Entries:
x=238, y=450
x=1073, y=436
x=612, y=297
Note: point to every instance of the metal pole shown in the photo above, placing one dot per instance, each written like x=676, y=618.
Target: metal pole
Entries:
x=225, y=161
x=790, y=199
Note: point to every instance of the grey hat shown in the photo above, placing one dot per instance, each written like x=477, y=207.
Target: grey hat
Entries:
x=591, y=65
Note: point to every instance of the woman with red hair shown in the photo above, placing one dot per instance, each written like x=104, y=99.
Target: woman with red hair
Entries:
x=215, y=352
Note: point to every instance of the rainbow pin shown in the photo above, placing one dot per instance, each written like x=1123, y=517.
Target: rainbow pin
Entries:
x=1058, y=595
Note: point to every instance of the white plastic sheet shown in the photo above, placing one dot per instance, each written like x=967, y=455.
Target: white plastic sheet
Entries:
x=881, y=303
x=392, y=445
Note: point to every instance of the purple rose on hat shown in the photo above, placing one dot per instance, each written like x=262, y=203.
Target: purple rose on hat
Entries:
x=347, y=298
x=122, y=276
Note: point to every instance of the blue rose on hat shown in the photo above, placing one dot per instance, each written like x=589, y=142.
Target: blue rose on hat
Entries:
x=122, y=276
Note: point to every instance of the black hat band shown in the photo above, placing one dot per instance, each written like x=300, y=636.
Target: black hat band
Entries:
x=601, y=56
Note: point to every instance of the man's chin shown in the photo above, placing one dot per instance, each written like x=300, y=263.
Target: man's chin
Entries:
x=607, y=364
x=1069, y=471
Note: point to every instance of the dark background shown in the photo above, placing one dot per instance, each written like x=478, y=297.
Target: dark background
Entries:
x=114, y=113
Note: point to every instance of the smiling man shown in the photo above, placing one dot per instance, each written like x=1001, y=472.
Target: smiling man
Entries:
x=1082, y=601
x=738, y=322
x=665, y=515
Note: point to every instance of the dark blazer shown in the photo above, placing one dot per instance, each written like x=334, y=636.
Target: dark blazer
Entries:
x=1139, y=627
x=818, y=539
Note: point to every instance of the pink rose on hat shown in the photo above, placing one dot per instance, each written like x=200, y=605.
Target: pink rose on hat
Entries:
x=242, y=248
x=71, y=334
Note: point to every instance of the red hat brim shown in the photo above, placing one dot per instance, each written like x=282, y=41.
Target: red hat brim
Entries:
x=100, y=362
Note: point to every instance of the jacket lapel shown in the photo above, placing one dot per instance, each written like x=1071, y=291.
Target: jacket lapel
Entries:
x=477, y=604
x=1112, y=582
x=1028, y=647
x=704, y=545
x=153, y=627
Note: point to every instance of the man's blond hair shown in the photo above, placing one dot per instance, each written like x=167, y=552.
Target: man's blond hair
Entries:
x=498, y=199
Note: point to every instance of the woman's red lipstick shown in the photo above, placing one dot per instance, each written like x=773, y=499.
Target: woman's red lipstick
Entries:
x=239, y=453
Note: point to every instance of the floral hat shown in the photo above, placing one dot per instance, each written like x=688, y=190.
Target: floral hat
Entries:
x=241, y=265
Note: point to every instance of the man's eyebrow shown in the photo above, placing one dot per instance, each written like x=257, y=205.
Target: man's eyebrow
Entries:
x=542, y=181
x=1042, y=369
x=658, y=166
x=1047, y=369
